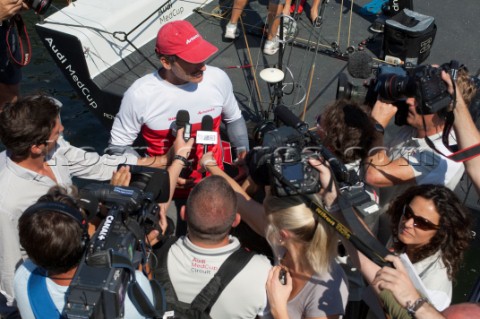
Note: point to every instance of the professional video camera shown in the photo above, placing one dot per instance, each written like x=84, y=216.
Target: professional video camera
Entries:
x=107, y=269
x=395, y=84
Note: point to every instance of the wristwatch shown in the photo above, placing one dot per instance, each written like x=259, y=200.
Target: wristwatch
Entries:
x=379, y=128
x=413, y=307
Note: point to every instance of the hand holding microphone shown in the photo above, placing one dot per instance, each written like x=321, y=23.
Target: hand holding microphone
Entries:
x=182, y=121
x=207, y=136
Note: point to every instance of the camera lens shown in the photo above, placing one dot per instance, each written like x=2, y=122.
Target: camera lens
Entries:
x=39, y=6
x=393, y=87
x=348, y=91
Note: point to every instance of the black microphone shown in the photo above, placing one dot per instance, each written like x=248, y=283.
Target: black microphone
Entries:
x=207, y=126
x=182, y=121
x=286, y=116
x=360, y=65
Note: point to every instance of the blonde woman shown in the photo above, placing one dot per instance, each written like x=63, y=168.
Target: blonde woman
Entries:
x=304, y=247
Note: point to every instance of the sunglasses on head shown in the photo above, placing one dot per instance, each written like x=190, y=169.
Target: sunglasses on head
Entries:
x=418, y=222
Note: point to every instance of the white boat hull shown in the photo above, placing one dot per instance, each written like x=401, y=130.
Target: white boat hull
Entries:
x=95, y=43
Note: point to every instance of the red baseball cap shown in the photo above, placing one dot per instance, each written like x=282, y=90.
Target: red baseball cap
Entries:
x=180, y=38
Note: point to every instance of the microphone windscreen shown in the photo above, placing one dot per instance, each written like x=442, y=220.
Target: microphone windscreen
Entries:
x=183, y=117
x=207, y=123
x=360, y=65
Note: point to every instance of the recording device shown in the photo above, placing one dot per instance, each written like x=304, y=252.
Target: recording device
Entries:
x=282, y=156
x=282, y=276
x=432, y=91
x=282, y=159
x=292, y=145
x=206, y=136
x=395, y=84
x=182, y=121
x=150, y=180
x=391, y=84
x=39, y=6
x=341, y=173
x=107, y=269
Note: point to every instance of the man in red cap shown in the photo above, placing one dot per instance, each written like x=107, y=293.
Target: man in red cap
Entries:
x=184, y=82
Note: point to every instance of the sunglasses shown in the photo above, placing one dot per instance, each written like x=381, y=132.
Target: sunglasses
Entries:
x=418, y=222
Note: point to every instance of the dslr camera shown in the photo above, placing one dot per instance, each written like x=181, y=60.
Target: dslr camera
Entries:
x=39, y=6
x=395, y=84
x=282, y=162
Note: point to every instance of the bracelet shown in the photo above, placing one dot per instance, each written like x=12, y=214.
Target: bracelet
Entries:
x=204, y=165
x=413, y=307
x=182, y=158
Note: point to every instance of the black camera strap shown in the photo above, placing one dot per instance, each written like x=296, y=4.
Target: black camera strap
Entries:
x=362, y=239
x=457, y=155
x=26, y=56
x=135, y=292
x=209, y=294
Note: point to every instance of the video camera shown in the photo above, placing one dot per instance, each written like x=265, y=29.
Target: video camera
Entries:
x=395, y=84
x=117, y=248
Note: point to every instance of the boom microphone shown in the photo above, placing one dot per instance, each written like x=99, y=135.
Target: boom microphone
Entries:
x=286, y=116
x=360, y=65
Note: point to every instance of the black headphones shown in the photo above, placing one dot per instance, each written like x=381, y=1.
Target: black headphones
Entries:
x=64, y=210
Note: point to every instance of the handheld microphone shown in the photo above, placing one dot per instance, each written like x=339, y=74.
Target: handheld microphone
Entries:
x=286, y=116
x=182, y=121
x=360, y=65
x=206, y=135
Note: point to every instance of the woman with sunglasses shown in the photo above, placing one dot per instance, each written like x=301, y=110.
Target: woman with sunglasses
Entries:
x=430, y=225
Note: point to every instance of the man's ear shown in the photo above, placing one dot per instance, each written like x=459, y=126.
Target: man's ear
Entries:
x=165, y=63
x=237, y=220
x=37, y=149
x=183, y=213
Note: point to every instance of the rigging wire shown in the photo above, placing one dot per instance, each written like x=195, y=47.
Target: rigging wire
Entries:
x=296, y=85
